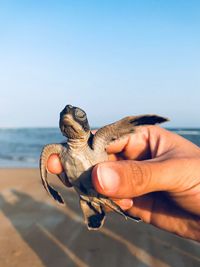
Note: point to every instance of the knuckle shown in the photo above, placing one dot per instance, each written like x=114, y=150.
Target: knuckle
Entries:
x=141, y=177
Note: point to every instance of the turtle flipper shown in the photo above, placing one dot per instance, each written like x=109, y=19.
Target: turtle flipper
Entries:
x=64, y=179
x=125, y=126
x=113, y=206
x=93, y=213
x=46, y=152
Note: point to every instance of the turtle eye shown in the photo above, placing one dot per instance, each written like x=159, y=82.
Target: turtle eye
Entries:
x=80, y=114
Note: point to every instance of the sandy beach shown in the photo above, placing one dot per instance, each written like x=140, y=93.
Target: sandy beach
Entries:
x=37, y=232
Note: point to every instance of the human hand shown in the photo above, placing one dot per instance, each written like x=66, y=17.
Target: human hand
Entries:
x=156, y=175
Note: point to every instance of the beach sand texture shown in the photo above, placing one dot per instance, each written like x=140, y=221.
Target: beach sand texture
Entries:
x=35, y=231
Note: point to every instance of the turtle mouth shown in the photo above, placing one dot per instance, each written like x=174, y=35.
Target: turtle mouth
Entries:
x=66, y=120
x=67, y=124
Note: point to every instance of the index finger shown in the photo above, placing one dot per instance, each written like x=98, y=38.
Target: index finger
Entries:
x=132, y=146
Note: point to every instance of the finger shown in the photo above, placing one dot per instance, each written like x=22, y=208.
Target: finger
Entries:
x=125, y=204
x=134, y=146
x=152, y=142
x=159, y=210
x=128, y=178
x=54, y=165
x=112, y=157
x=118, y=145
x=124, y=179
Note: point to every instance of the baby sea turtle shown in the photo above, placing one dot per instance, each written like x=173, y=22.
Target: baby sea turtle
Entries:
x=81, y=152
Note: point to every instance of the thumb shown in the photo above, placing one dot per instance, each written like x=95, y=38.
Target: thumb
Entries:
x=128, y=178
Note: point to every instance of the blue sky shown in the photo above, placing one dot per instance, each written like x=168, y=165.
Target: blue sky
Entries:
x=112, y=58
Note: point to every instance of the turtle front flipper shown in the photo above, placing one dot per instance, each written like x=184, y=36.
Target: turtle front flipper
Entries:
x=125, y=126
x=93, y=213
x=45, y=154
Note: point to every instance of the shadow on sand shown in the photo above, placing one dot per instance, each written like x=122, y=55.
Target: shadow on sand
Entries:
x=59, y=237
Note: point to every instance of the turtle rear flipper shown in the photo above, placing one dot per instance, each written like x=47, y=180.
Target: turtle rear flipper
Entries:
x=113, y=206
x=112, y=132
x=93, y=213
x=46, y=152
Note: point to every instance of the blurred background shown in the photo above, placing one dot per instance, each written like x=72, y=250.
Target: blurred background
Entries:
x=113, y=59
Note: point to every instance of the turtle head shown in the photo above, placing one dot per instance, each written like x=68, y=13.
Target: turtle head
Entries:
x=73, y=122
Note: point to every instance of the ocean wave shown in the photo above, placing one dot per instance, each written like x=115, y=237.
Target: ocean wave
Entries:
x=19, y=158
x=21, y=147
x=187, y=132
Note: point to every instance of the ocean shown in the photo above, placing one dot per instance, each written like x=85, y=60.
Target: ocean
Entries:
x=20, y=148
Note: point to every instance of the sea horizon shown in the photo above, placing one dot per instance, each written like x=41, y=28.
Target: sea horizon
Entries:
x=21, y=146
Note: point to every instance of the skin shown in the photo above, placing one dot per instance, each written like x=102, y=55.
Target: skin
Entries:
x=54, y=165
x=154, y=174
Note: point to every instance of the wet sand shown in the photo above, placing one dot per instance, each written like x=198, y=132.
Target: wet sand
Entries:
x=35, y=231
